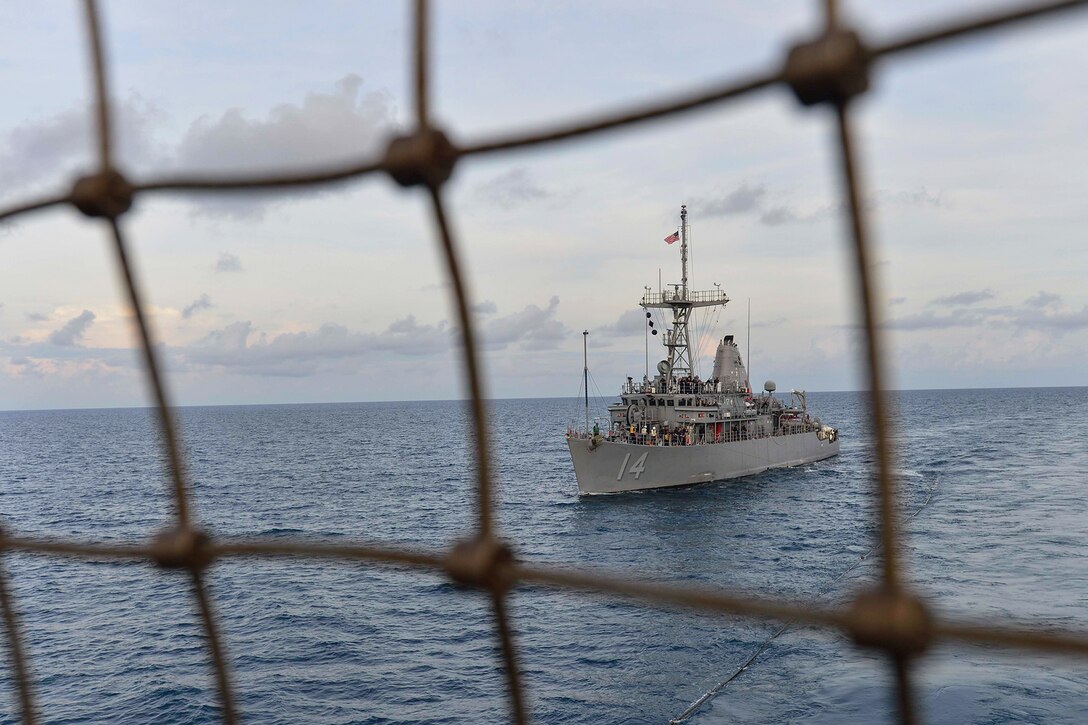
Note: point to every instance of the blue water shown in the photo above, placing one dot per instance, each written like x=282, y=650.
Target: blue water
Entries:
x=1003, y=537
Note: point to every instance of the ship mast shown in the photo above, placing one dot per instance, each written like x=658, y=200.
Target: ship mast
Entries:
x=684, y=248
x=681, y=301
x=677, y=341
x=585, y=372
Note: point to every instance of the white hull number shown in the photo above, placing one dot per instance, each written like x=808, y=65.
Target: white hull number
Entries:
x=636, y=468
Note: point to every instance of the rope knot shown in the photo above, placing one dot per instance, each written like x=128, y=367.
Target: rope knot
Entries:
x=832, y=68
x=424, y=157
x=106, y=194
x=483, y=562
x=181, y=547
x=891, y=620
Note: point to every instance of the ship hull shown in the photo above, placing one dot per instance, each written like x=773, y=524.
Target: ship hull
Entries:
x=612, y=467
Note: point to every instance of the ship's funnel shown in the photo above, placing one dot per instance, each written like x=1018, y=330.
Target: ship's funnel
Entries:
x=728, y=365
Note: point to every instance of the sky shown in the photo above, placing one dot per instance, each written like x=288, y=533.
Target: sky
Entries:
x=973, y=155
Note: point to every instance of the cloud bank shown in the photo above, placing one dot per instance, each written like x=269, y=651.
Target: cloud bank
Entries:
x=72, y=331
x=962, y=299
x=200, y=303
x=1041, y=312
x=512, y=189
x=772, y=209
x=228, y=262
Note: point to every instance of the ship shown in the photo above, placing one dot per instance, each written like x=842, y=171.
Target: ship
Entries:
x=676, y=429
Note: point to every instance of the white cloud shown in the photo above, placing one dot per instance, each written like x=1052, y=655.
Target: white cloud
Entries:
x=1043, y=299
x=630, y=322
x=322, y=128
x=52, y=148
x=534, y=327
x=72, y=331
x=242, y=346
x=514, y=188
x=200, y=303
x=228, y=262
x=487, y=307
x=743, y=199
x=962, y=299
x=1029, y=317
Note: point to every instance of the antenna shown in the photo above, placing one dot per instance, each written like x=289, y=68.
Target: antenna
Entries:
x=585, y=372
x=684, y=249
x=646, y=375
x=748, y=366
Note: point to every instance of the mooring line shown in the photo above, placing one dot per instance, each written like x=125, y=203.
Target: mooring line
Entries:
x=713, y=691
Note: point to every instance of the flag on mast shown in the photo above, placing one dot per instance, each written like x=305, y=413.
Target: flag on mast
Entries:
x=674, y=237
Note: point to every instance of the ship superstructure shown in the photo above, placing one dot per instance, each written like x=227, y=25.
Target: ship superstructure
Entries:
x=676, y=429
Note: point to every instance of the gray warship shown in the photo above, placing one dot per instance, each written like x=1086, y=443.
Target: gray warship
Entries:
x=675, y=429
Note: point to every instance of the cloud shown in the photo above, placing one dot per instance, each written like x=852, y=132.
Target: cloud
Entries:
x=298, y=354
x=1027, y=318
x=324, y=128
x=886, y=199
x=36, y=317
x=741, y=200
x=200, y=303
x=1043, y=299
x=230, y=339
x=931, y=321
x=228, y=262
x=1058, y=321
x=894, y=301
x=240, y=346
x=917, y=197
x=628, y=324
x=23, y=366
x=772, y=324
x=58, y=145
x=778, y=215
x=513, y=188
x=534, y=327
x=487, y=307
x=961, y=299
x=73, y=330
x=408, y=324
x=760, y=201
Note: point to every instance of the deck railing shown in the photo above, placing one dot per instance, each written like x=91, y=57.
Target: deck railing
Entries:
x=731, y=433
x=700, y=296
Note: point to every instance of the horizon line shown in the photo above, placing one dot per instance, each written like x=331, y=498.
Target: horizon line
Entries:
x=465, y=400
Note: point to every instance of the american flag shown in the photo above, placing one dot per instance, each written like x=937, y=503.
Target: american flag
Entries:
x=674, y=237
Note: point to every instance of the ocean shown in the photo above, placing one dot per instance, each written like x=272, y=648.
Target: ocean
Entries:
x=993, y=492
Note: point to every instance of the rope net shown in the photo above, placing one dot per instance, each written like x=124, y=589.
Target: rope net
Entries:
x=830, y=69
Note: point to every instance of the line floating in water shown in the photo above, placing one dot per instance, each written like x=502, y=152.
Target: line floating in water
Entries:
x=713, y=691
